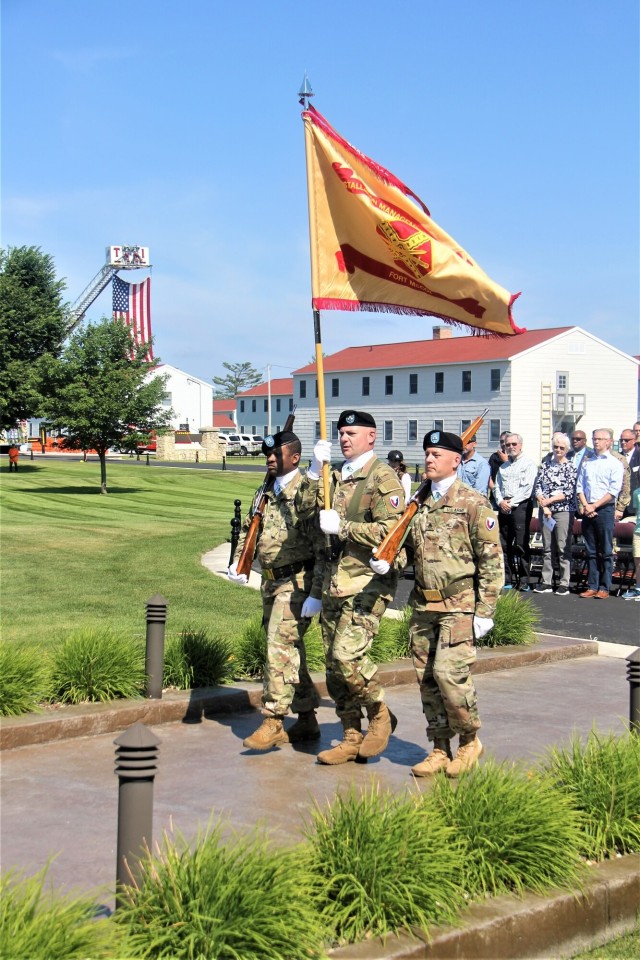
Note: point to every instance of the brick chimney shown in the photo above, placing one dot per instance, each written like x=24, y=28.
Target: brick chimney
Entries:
x=442, y=333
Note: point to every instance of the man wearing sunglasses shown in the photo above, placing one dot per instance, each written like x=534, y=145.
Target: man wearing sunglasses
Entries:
x=513, y=495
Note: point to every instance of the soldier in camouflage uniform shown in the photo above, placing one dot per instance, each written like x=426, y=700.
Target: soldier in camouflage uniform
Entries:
x=367, y=499
x=459, y=576
x=290, y=552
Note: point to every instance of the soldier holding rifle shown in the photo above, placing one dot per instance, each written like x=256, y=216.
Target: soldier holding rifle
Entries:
x=459, y=575
x=290, y=551
x=366, y=499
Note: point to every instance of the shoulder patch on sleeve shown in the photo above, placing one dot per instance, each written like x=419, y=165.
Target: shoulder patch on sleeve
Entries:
x=487, y=528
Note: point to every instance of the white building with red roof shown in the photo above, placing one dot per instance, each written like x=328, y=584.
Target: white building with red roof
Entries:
x=224, y=412
x=264, y=408
x=533, y=383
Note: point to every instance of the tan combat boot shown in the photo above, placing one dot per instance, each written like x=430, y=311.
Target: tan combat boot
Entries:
x=382, y=723
x=469, y=752
x=438, y=759
x=305, y=728
x=345, y=751
x=270, y=734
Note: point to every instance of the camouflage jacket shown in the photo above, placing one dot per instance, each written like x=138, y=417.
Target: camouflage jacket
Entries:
x=624, y=497
x=369, y=503
x=286, y=538
x=457, y=538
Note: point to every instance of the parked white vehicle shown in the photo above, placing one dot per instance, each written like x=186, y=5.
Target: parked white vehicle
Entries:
x=247, y=445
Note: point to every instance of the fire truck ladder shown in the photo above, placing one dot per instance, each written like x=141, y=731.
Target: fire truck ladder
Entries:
x=91, y=292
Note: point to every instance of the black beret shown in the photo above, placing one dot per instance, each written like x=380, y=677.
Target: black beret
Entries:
x=355, y=418
x=276, y=440
x=395, y=456
x=446, y=441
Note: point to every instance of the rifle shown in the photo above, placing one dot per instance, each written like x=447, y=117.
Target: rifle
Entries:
x=245, y=559
x=393, y=540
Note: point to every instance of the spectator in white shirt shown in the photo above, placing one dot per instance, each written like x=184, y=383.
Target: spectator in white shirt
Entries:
x=513, y=495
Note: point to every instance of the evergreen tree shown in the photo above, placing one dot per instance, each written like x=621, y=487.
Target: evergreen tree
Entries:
x=241, y=376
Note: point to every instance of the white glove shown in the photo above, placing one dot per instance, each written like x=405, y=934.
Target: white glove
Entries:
x=321, y=454
x=329, y=521
x=481, y=626
x=233, y=574
x=310, y=607
x=380, y=567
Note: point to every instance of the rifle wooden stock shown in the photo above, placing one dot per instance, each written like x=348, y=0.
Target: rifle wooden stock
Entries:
x=393, y=540
x=245, y=560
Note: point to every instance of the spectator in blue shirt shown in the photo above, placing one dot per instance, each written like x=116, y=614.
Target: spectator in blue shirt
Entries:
x=474, y=470
x=599, y=484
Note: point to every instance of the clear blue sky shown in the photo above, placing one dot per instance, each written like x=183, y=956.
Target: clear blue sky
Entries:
x=178, y=127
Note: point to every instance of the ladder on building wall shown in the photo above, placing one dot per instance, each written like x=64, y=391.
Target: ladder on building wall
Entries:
x=546, y=419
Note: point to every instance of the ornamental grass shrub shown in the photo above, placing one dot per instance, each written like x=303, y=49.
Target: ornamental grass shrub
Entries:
x=251, y=649
x=386, y=861
x=38, y=924
x=519, y=831
x=196, y=659
x=238, y=900
x=392, y=639
x=25, y=679
x=514, y=622
x=97, y=665
x=602, y=779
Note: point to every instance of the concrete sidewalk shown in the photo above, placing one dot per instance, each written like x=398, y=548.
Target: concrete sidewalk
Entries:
x=61, y=797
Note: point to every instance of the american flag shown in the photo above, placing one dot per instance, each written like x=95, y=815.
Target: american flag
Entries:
x=132, y=303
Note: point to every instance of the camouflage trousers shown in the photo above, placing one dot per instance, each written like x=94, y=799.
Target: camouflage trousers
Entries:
x=443, y=651
x=287, y=683
x=349, y=625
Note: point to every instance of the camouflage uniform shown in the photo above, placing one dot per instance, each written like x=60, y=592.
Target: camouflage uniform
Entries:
x=457, y=553
x=354, y=598
x=286, y=541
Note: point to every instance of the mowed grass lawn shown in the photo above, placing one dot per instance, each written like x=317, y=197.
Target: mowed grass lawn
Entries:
x=72, y=558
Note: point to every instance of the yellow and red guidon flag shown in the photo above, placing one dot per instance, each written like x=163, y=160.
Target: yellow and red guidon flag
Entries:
x=374, y=245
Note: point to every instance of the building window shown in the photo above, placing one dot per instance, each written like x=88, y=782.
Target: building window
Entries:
x=278, y=403
x=166, y=401
x=334, y=431
x=303, y=390
x=335, y=387
x=438, y=424
x=316, y=389
x=495, y=380
x=290, y=404
x=365, y=386
x=253, y=406
x=317, y=430
x=412, y=430
x=388, y=385
x=439, y=382
x=562, y=380
x=265, y=430
x=494, y=431
x=464, y=425
x=266, y=405
x=388, y=430
x=241, y=428
x=413, y=383
x=466, y=381
x=253, y=428
x=242, y=406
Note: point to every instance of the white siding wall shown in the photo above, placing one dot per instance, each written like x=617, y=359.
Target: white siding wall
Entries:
x=452, y=406
x=191, y=398
x=607, y=377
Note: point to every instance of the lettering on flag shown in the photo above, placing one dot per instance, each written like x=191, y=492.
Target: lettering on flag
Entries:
x=374, y=245
x=132, y=303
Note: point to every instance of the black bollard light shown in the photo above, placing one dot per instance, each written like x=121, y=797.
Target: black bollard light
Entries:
x=136, y=757
x=416, y=475
x=154, y=654
x=236, y=524
x=633, y=676
x=224, y=463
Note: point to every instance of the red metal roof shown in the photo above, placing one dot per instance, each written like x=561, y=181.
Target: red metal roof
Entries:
x=222, y=406
x=282, y=386
x=222, y=420
x=418, y=353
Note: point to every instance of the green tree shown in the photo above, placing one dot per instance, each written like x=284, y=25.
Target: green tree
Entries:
x=32, y=325
x=99, y=395
x=241, y=376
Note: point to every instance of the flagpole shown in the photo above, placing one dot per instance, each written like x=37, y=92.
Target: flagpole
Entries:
x=304, y=94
